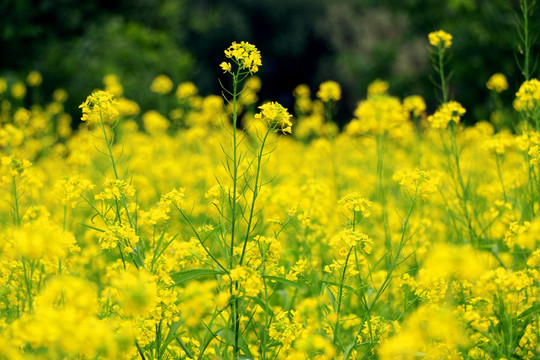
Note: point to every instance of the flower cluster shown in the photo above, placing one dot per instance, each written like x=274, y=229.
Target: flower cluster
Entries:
x=245, y=55
x=329, y=91
x=440, y=39
x=450, y=111
x=497, y=82
x=528, y=96
x=276, y=116
x=357, y=203
x=162, y=84
x=99, y=108
x=267, y=258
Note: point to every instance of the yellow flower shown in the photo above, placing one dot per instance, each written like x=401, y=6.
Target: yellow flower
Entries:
x=225, y=66
x=329, y=90
x=377, y=87
x=414, y=104
x=357, y=203
x=276, y=116
x=161, y=84
x=419, y=182
x=18, y=90
x=301, y=90
x=99, y=107
x=440, y=39
x=154, y=122
x=34, y=79
x=112, y=85
x=497, y=82
x=60, y=95
x=450, y=111
x=528, y=95
x=245, y=55
x=115, y=189
x=185, y=90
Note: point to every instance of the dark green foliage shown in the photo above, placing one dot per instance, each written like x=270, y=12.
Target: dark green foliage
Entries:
x=75, y=43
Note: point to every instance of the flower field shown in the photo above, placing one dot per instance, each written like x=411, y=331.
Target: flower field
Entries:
x=221, y=227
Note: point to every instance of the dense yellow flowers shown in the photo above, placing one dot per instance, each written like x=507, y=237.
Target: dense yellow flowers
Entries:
x=174, y=235
x=528, y=95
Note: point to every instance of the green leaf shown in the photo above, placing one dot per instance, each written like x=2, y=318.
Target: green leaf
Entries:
x=348, y=350
x=228, y=335
x=185, y=275
x=264, y=306
x=350, y=288
x=92, y=227
x=530, y=311
x=285, y=282
x=172, y=332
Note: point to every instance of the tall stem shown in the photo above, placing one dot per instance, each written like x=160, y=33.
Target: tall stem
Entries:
x=382, y=196
x=16, y=211
x=255, y=194
x=444, y=85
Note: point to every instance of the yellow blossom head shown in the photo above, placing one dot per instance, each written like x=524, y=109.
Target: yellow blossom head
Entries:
x=450, y=111
x=440, y=39
x=34, y=79
x=113, y=85
x=99, y=107
x=528, y=95
x=245, y=55
x=276, y=116
x=414, y=104
x=18, y=90
x=162, y=84
x=377, y=87
x=497, y=82
x=60, y=95
x=329, y=90
x=185, y=90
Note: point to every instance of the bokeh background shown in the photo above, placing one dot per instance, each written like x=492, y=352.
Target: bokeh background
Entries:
x=75, y=43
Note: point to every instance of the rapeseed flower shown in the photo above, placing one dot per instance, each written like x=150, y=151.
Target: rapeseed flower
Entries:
x=245, y=55
x=497, y=82
x=162, y=84
x=34, y=78
x=440, y=39
x=528, y=95
x=329, y=91
x=99, y=107
x=450, y=111
x=276, y=116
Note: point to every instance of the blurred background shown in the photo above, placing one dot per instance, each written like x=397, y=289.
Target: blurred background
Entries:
x=75, y=43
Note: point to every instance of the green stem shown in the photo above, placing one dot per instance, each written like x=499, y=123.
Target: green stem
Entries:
x=16, y=212
x=234, y=304
x=526, y=40
x=382, y=196
x=255, y=194
x=394, y=260
x=501, y=179
x=28, y=283
x=444, y=85
x=340, y=295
